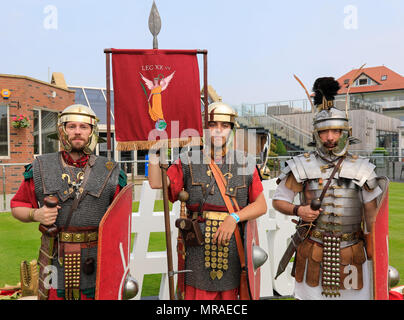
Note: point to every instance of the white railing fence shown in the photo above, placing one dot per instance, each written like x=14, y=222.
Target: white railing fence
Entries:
x=274, y=229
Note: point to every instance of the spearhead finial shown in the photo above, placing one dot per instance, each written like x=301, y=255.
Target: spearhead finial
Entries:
x=154, y=24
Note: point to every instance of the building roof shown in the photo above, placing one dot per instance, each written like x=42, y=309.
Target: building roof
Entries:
x=55, y=84
x=58, y=79
x=385, y=79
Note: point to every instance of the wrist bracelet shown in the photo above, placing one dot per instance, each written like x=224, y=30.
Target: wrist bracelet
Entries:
x=295, y=208
x=235, y=216
x=31, y=214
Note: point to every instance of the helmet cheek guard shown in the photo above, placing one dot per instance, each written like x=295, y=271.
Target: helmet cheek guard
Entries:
x=339, y=150
x=342, y=146
x=92, y=141
x=63, y=138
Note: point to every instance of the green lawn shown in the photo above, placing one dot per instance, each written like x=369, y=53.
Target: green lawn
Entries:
x=20, y=241
x=396, y=227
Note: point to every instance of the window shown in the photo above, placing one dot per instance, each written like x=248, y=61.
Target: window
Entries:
x=346, y=81
x=36, y=132
x=95, y=98
x=4, y=131
x=126, y=156
x=45, y=123
x=102, y=150
x=98, y=104
x=384, y=77
x=79, y=96
x=387, y=140
x=141, y=165
x=363, y=82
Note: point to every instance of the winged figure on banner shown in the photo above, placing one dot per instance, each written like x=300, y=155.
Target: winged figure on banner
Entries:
x=156, y=87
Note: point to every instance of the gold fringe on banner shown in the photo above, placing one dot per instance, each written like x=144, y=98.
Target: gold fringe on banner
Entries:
x=166, y=143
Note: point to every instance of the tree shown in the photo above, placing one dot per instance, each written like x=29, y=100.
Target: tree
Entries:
x=280, y=148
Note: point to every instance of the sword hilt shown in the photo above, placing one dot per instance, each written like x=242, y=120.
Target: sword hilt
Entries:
x=51, y=202
x=183, y=196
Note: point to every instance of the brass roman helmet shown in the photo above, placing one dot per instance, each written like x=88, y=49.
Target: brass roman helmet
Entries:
x=78, y=113
x=219, y=111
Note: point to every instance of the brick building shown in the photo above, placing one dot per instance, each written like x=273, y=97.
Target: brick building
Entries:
x=40, y=102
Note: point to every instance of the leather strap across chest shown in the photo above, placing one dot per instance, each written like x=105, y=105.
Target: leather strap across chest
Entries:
x=334, y=171
x=221, y=183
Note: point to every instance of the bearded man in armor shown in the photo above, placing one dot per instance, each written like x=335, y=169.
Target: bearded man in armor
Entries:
x=68, y=193
x=331, y=260
x=215, y=264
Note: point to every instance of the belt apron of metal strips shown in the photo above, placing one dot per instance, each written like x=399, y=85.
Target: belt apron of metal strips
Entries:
x=71, y=258
x=331, y=264
x=216, y=256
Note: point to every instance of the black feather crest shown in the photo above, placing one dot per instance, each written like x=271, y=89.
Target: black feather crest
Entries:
x=327, y=87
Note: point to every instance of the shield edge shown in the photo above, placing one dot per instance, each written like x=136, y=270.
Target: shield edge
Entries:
x=127, y=188
x=377, y=295
x=248, y=263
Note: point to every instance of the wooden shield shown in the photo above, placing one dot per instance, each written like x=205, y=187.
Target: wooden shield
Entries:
x=254, y=276
x=380, y=239
x=113, y=254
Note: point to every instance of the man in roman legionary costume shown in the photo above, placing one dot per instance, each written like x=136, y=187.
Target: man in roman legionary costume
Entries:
x=215, y=263
x=68, y=193
x=339, y=194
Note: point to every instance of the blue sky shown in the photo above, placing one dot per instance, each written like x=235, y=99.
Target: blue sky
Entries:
x=254, y=47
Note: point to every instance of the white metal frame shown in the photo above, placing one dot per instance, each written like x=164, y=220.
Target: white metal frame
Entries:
x=40, y=128
x=7, y=157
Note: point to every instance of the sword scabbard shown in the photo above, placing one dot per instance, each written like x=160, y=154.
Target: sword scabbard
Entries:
x=298, y=237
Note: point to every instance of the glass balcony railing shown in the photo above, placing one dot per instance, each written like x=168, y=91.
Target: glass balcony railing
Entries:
x=275, y=108
x=294, y=135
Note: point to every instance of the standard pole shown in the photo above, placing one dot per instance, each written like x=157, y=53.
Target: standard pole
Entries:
x=170, y=269
x=205, y=86
x=108, y=66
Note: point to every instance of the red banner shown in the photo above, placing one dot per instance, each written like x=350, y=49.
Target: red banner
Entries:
x=156, y=97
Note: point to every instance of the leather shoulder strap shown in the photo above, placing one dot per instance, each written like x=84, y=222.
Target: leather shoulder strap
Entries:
x=330, y=178
x=221, y=183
